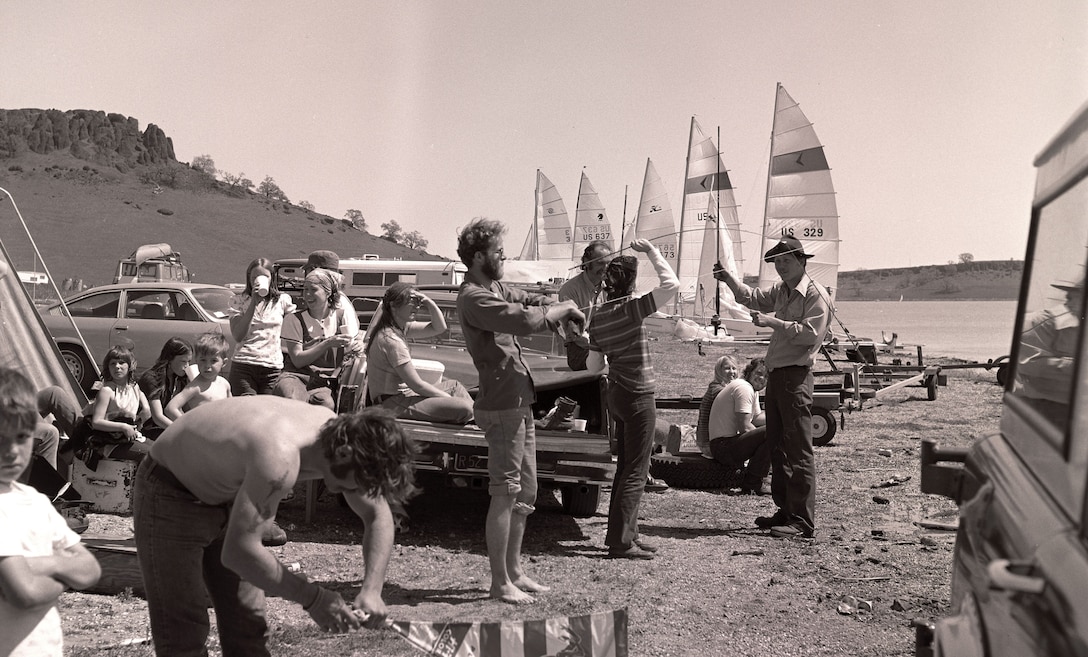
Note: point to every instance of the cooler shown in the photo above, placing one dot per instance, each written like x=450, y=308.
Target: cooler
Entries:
x=109, y=488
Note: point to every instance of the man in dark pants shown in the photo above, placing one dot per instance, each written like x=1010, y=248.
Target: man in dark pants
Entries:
x=802, y=314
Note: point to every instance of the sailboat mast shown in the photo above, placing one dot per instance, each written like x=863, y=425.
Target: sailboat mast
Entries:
x=683, y=210
x=623, y=221
x=718, y=227
x=536, y=218
x=767, y=195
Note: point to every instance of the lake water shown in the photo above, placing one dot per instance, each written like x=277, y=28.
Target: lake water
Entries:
x=972, y=330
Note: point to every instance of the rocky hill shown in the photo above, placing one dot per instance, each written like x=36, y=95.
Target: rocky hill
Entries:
x=91, y=187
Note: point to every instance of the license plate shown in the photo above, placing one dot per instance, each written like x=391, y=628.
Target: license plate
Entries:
x=469, y=462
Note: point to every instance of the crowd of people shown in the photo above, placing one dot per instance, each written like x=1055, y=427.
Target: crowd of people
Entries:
x=217, y=456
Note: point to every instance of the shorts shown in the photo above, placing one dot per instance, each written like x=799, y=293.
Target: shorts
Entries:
x=511, y=452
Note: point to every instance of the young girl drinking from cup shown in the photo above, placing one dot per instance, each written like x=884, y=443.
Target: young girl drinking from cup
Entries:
x=256, y=317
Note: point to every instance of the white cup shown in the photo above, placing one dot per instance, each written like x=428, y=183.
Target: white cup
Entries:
x=261, y=284
x=192, y=371
x=579, y=424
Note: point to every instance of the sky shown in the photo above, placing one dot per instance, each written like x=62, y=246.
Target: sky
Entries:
x=432, y=113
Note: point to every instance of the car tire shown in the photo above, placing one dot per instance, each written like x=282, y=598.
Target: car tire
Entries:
x=692, y=470
x=580, y=500
x=79, y=365
x=823, y=426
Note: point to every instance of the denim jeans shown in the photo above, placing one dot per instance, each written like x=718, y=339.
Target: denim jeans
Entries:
x=635, y=418
x=455, y=409
x=789, y=436
x=293, y=385
x=750, y=446
x=179, y=541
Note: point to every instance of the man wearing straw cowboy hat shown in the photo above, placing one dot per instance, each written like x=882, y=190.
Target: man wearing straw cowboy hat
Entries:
x=802, y=314
x=1047, y=346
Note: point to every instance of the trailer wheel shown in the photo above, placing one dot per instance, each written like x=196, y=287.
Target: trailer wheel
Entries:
x=692, y=470
x=823, y=426
x=580, y=500
x=931, y=387
x=1003, y=374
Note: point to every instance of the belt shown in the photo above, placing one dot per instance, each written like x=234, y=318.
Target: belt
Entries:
x=163, y=474
x=791, y=367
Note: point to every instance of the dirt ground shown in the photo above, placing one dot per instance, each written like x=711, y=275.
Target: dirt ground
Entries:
x=718, y=586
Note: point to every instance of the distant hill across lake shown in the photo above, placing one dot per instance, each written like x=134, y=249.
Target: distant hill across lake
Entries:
x=982, y=280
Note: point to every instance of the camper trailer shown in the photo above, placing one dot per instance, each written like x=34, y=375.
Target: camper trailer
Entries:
x=152, y=263
x=366, y=279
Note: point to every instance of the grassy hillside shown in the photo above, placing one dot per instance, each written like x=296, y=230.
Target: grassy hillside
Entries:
x=990, y=279
x=84, y=217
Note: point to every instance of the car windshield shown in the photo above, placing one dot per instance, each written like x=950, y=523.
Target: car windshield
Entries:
x=214, y=300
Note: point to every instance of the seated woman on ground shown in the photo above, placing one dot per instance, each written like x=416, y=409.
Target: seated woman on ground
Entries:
x=724, y=372
x=392, y=380
x=737, y=428
x=118, y=409
x=165, y=379
x=313, y=341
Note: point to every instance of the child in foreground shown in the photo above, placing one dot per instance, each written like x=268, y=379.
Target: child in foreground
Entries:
x=40, y=557
x=211, y=352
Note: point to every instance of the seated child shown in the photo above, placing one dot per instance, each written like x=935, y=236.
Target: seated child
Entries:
x=210, y=352
x=40, y=557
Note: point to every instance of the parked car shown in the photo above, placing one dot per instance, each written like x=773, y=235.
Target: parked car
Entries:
x=1020, y=566
x=140, y=316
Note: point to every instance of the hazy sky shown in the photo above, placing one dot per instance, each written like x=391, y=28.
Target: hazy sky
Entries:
x=431, y=113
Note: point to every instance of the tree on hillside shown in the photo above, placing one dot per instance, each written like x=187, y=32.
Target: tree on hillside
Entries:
x=355, y=217
x=271, y=191
x=306, y=205
x=237, y=182
x=966, y=258
x=204, y=164
x=414, y=240
x=392, y=232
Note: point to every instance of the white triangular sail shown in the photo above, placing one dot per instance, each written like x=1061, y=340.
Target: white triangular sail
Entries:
x=653, y=222
x=550, y=235
x=800, y=195
x=719, y=246
x=705, y=176
x=590, y=220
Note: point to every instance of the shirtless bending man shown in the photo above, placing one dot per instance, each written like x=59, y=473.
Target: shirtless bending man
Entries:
x=211, y=487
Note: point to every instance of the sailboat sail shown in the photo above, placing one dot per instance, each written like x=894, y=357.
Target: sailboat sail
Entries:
x=719, y=245
x=550, y=236
x=654, y=222
x=590, y=221
x=706, y=185
x=800, y=195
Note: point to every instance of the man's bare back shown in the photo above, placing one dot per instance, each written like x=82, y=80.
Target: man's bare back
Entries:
x=210, y=448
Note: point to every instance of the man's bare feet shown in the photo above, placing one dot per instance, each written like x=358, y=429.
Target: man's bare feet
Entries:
x=511, y=594
x=525, y=583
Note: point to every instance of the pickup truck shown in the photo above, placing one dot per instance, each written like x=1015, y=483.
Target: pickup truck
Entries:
x=576, y=463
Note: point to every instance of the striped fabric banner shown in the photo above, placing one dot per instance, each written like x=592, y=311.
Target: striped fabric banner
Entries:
x=596, y=635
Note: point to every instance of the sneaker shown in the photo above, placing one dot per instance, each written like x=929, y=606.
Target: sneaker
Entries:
x=275, y=536
x=632, y=552
x=655, y=485
x=644, y=546
x=779, y=518
x=795, y=529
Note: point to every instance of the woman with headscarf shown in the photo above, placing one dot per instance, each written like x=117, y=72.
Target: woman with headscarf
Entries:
x=618, y=332
x=313, y=341
x=392, y=380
